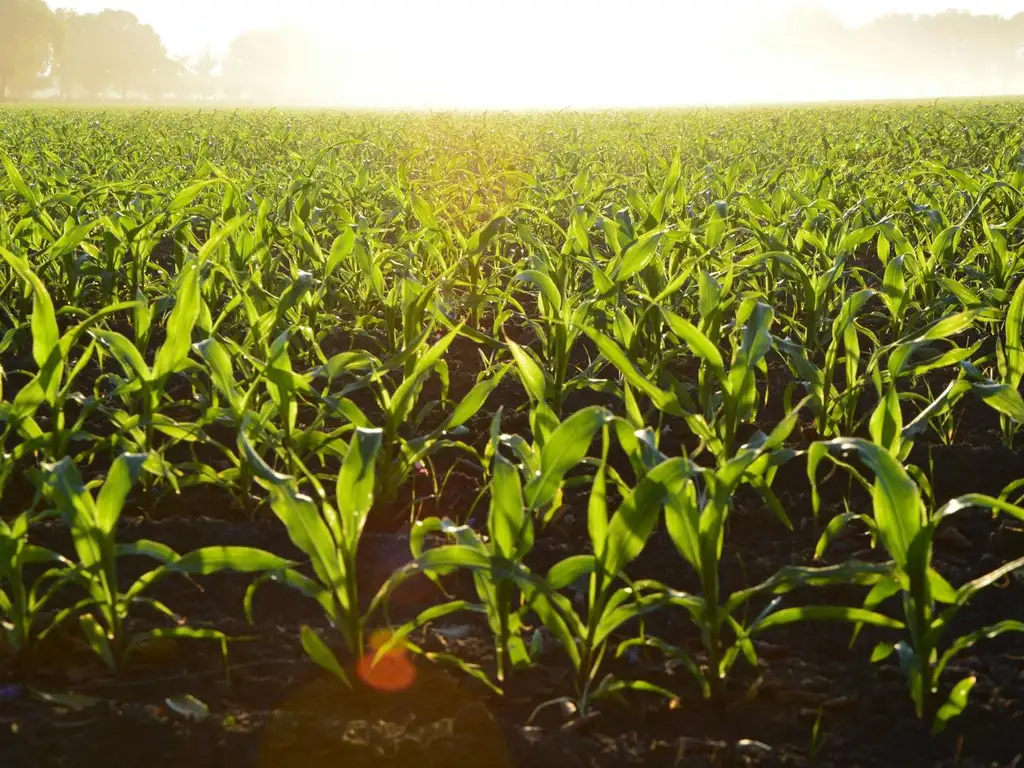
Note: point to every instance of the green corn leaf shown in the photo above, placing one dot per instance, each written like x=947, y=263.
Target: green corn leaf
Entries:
x=256, y=463
x=18, y=182
x=898, y=508
x=1014, y=329
x=682, y=519
x=146, y=548
x=341, y=249
x=184, y=198
x=354, y=493
x=826, y=613
x=700, y=344
x=894, y=287
x=221, y=372
x=886, y=425
x=529, y=372
x=402, y=399
x=97, y=639
x=634, y=521
x=1003, y=398
x=555, y=611
x=947, y=326
x=547, y=287
x=563, y=450
x=454, y=556
x=45, y=333
x=217, y=238
x=78, y=509
x=508, y=523
x=180, y=323
x=474, y=400
x=597, y=503
x=614, y=619
x=122, y=476
x=207, y=560
x=317, y=650
x=309, y=532
x=638, y=255
x=480, y=239
x=835, y=526
x=570, y=570
x=125, y=353
x=666, y=401
x=955, y=704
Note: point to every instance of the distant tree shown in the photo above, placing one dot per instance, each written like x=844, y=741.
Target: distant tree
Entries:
x=113, y=51
x=26, y=30
x=949, y=53
x=273, y=66
x=201, y=77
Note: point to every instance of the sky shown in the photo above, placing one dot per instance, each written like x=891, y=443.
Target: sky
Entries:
x=188, y=26
x=517, y=53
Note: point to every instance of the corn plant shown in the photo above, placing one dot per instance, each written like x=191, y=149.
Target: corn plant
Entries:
x=510, y=527
x=508, y=540
x=696, y=515
x=727, y=398
x=329, y=536
x=104, y=611
x=23, y=602
x=902, y=524
x=1004, y=394
x=53, y=383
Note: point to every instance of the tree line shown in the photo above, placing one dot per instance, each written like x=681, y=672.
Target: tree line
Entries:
x=948, y=53
x=112, y=55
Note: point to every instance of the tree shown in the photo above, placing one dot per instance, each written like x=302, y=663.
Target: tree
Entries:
x=202, y=81
x=273, y=66
x=112, y=51
x=26, y=29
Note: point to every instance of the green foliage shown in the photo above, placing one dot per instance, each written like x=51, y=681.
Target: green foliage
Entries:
x=906, y=529
x=300, y=301
x=92, y=521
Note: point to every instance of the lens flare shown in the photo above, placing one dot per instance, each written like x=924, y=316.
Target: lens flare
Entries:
x=392, y=671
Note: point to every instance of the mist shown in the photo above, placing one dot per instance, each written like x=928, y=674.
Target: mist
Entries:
x=458, y=54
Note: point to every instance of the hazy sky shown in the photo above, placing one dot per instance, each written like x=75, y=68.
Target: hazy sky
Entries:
x=530, y=53
x=190, y=25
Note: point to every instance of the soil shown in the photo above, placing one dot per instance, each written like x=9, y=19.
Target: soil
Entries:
x=812, y=699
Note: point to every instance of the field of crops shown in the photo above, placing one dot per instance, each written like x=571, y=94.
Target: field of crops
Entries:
x=673, y=438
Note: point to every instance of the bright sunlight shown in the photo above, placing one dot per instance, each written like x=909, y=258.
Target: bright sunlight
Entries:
x=483, y=54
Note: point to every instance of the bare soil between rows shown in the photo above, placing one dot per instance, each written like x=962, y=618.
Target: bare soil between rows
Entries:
x=276, y=709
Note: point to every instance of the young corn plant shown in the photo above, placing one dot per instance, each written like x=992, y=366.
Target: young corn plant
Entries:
x=104, y=611
x=696, y=515
x=514, y=506
x=1004, y=394
x=508, y=540
x=144, y=388
x=24, y=598
x=53, y=385
x=726, y=398
x=610, y=600
x=509, y=592
x=834, y=409
x=400, y=453
x=903, y=525
x=329, y=535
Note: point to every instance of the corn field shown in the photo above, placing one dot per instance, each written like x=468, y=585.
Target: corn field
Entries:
x=666, y=438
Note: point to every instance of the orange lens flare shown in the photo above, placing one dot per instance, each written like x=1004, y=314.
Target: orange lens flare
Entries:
x=391, y=673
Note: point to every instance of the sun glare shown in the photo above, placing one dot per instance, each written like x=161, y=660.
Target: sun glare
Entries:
x=554, y=54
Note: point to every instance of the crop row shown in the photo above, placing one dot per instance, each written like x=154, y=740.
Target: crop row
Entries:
x=321, y=315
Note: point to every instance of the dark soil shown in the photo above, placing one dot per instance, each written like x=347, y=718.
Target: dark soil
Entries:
x=272, y=708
